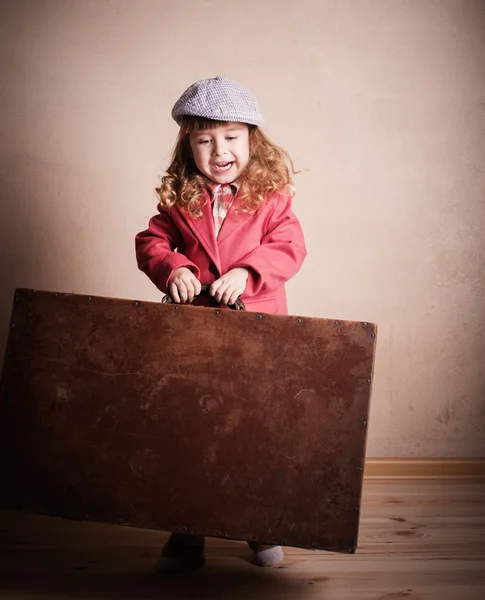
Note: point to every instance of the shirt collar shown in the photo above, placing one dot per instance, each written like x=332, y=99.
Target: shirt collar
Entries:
x=211, y=186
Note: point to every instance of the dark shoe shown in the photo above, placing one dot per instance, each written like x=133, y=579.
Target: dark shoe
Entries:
x=181, y=553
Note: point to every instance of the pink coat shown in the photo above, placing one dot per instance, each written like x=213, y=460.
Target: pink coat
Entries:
x=270, y=244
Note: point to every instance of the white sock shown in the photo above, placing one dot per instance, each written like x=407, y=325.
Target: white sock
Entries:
x=268, y=556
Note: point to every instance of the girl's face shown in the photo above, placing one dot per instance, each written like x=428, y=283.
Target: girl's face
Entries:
x=221, y=153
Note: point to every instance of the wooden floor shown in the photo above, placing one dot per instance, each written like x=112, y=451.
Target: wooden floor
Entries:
x=418, y=540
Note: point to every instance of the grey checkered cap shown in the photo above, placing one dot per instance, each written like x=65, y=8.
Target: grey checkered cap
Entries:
x=221, y=99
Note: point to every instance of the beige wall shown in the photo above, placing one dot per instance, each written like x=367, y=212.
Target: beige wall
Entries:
x=381, y=103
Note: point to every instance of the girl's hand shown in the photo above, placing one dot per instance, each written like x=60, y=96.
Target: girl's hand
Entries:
x=230, y=286
x=183, y=285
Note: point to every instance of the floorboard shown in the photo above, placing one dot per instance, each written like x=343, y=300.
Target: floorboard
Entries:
x=419, y=540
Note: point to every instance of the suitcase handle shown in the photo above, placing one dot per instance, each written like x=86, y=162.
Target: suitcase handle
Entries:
x=238, y=305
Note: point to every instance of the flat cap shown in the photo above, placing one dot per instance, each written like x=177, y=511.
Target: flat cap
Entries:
x=221, y=99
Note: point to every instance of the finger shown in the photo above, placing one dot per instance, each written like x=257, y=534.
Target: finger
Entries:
x=214, y=287
x=227, y=294
x=190, y=290
x=197, y=286
x=221, y=290
x=174, y=293
x=182, y=291
x=233, y=298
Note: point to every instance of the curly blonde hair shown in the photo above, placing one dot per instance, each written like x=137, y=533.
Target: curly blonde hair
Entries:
x=269, y=170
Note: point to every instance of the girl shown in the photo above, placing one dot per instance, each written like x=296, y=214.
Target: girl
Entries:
x=225, y=206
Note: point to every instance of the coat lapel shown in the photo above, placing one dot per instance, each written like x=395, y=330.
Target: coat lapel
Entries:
x=234, y=220
x=203, y=229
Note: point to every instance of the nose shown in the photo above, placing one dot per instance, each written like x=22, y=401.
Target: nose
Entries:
x=219, y=146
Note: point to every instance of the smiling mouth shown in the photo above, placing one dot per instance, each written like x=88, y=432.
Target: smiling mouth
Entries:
x=222, y=166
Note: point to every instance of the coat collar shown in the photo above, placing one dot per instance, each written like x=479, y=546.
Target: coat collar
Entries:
x=234, y=218
x=204, y=230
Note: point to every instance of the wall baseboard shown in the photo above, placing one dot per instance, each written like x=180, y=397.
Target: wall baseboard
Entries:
x=429, y=468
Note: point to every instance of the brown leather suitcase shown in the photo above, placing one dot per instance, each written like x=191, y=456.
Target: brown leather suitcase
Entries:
x=225, y=423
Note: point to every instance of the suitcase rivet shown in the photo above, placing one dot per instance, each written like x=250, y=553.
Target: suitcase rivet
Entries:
x=298, y=320
x=184, y=528
x=368, y=380
x=360, y=469
x=365, y=324
x=217, y=311
x=335, y=322
x=373, y=335
x=259, y=316
x=89, y=298
x=284, y=541
x=364, y=423
x=12, y=326
x=356, y=509
x=175, y=307
x=136, y=303
x=218, y=533
x=315, y=544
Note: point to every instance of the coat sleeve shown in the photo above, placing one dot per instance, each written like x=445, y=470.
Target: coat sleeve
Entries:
x=281, y=253
x=155, y=251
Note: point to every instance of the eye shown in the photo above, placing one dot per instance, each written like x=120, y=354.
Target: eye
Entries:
x=231, y=137
x=203, y=141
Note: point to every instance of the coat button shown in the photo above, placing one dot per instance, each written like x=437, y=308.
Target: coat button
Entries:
x=213, y=269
